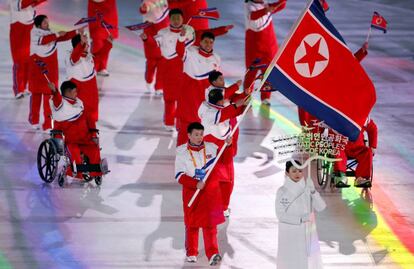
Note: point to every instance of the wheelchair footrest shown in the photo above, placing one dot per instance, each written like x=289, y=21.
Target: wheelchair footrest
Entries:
x=88, y=168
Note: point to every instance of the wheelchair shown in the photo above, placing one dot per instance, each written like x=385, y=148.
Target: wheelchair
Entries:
x=54, y=158
x=325, y=172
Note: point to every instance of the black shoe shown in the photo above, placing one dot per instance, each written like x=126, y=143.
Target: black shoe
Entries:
x=215, y=259
x=364, y=185
x=341, y=184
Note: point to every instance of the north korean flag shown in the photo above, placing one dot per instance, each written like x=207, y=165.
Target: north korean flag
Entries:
x=316, y=70
x=378, y=22
x=139, y=26
x=207, y=13
x=85, y=20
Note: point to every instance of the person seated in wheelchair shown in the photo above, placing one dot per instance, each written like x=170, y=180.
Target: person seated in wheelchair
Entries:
x=78, y=129
x=363, y=154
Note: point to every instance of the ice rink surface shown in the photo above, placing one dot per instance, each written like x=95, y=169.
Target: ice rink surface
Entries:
x=135, y=219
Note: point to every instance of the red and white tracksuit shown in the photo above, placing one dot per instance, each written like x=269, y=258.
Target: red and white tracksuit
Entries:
x=216, y=122
x=197, y=66
x=260, y=39
x=80, y=69
x=191, y=8
x=78, y=129
x=43, y=47
x=171, y=66
x=21, y=23
x=156, y=12
x=108, y=12
x=207, y=211
x=360, y=151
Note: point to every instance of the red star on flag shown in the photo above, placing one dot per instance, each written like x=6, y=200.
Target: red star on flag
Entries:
x=312, y=56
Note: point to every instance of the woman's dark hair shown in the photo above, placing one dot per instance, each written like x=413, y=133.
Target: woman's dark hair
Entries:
x=289, y=164
x=39, y=19
x=194, y=126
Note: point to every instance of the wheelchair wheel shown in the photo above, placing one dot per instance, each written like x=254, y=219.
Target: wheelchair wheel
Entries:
x=47, y=160
x=98, y=180
x=323, y=172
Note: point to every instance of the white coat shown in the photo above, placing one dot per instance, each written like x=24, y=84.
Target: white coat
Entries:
x=298, y=244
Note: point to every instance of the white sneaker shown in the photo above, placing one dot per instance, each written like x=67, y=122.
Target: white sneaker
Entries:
x=35, y=126
x=169, y=128
x=150, y=87
x=191, y=259
x=27, y=93
x=19, y=95
x=103, y=73
x=266, y=102
x=226, y=212
x=215, y=259
x=159, y=93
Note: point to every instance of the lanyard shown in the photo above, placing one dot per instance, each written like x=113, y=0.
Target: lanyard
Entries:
x=192, y=157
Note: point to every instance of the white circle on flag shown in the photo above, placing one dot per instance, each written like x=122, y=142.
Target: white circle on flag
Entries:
x=379, y=21
x=311, y=56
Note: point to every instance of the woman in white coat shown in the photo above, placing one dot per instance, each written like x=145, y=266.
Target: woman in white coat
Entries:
x=296, y=201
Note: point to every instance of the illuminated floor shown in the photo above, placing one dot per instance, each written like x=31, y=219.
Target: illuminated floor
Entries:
x=135, y=219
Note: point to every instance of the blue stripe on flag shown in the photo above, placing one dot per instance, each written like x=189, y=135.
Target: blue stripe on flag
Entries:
x=317, y=10
x=312, y=105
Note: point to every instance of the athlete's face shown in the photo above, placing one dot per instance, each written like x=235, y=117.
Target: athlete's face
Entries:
x=207, y=44
x=176, y=20
x=219, y=82
x=45, y=24
x=295, y=174
x=196, y=137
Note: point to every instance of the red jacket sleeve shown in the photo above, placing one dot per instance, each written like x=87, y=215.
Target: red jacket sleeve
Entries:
x=255, y=15
x=67, y=36
x=230, y=91
x=188, y=182
x=230, y=111
x=361, y=54
x=77, y=53
x=279, y=5
x=372, y=131
x=57, y=99
x=48, y=38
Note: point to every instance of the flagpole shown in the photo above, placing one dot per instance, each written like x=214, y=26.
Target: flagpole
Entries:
x=369, y=34
x=250, y=103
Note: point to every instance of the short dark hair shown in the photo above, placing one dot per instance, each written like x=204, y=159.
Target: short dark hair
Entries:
x=194, y=126
x=39, y=19
x=67, y=86
x=175, y=11
x=76, y=40
x=289, y=164
x=213, y=76
x=208, y=35
x=215, y=95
